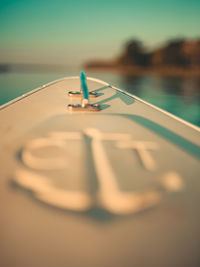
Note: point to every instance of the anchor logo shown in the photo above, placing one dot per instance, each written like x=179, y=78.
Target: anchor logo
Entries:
x=109, y=195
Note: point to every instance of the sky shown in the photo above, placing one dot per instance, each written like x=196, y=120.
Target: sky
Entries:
x=72, y=32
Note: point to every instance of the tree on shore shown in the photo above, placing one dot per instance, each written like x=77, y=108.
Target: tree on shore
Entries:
x=134, y=55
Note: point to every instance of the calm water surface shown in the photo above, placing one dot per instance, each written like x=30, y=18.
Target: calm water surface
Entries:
x=180, y=96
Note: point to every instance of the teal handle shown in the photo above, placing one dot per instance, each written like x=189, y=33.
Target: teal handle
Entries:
x=84, y=86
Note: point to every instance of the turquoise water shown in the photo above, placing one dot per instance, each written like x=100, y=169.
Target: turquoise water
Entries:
x=180, y=96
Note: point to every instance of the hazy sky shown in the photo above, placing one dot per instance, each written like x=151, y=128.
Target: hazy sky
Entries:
x=69, y=32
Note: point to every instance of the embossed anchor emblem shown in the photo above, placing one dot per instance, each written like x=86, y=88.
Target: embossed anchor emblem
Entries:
x=109, y=195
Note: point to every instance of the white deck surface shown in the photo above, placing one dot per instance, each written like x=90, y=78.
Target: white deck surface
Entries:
x=119, y=187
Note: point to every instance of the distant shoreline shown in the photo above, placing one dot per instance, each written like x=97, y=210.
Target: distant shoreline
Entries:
x=138, y=71
x=163, y=71
x=178, y=57
x=23, y=67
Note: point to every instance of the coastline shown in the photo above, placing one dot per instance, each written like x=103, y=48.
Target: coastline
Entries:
x=138, y=71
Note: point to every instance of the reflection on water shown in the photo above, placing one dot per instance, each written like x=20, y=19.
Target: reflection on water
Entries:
x=180, y=96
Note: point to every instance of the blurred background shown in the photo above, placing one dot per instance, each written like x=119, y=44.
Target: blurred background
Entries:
x=149, y=48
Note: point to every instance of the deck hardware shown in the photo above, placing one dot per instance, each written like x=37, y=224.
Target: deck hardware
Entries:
x=78, y=94
x=85, y=105
x=88, y=107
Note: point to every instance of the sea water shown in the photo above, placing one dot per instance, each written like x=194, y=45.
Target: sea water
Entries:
x=179, y=96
